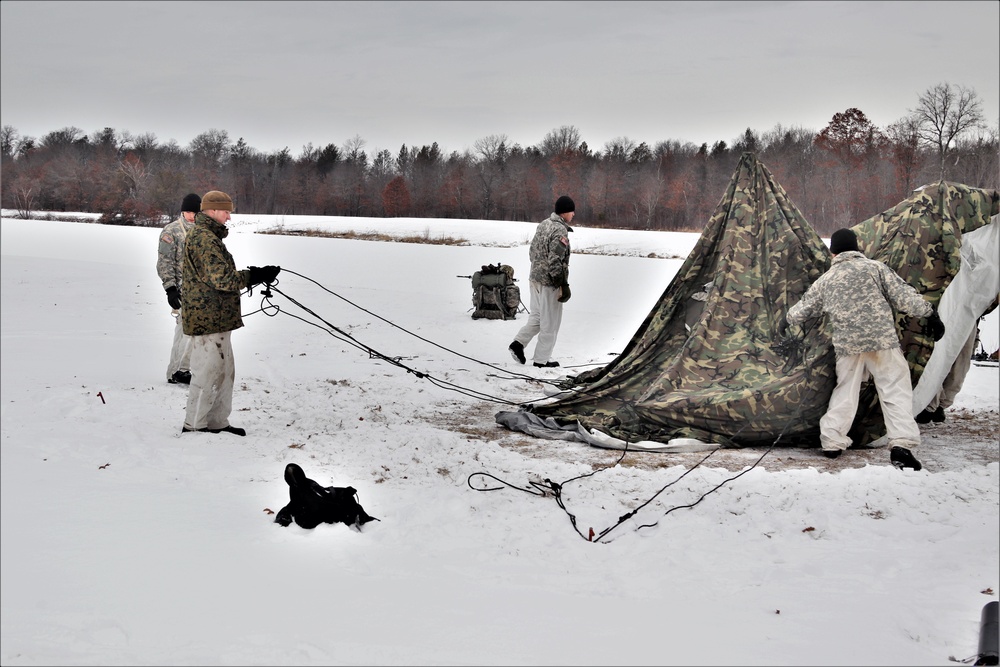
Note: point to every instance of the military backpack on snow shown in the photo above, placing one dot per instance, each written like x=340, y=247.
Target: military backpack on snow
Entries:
x=494, y=294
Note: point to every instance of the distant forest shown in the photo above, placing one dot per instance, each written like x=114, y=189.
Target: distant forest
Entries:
x=837, y=176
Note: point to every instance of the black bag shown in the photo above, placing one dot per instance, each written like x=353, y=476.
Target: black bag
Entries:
x=311, y=504
x=494, y=294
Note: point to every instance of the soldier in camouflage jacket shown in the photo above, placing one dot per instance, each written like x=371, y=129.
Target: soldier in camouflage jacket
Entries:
x=858, y=296
x=211, y=306
x=170, y=266
x=548, y=284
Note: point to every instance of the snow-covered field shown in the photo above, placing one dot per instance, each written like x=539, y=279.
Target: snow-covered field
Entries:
x=126, y=542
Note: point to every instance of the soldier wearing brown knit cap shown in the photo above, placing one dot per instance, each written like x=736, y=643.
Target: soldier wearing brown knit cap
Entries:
x=211, y=300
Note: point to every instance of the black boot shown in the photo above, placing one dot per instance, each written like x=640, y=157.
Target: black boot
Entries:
x=180, y=377
x=901, y=457
x=235, y=430
x=517, y=351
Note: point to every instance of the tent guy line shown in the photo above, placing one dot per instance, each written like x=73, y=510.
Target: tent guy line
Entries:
x=272, y=309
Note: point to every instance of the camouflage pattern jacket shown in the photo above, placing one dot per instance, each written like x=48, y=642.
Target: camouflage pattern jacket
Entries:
x=210, y=299
x=858, y=294
x=170, y=256
x=549, y=252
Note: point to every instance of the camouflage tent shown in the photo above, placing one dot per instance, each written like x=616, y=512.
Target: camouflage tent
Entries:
x=920, y=239
x=703, y=365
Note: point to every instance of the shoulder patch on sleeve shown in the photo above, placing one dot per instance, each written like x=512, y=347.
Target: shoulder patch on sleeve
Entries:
x=564, y=240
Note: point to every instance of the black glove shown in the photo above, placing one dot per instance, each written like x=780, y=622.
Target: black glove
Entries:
x=787, y=345
x=935, y=327
x=174, y=297
x=263, y=274
x=783, y=327
x=564, y=296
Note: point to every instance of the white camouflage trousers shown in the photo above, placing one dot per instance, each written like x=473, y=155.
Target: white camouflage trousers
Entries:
x=213, y=371
x=180, y=350
x=956, y=376
x=544, y=321
x=891, y=374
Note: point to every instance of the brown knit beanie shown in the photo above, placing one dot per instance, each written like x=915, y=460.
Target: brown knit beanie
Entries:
x=216, y=201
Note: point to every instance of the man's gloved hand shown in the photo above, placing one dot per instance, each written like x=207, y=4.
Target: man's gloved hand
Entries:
x=783, y=327
x=564, y=293
x=935, y=327
x=787, y=343
x=174, y=297
x=263, y=274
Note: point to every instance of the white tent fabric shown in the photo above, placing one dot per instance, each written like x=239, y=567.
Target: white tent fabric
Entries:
x=549, y=428
x=972, y=289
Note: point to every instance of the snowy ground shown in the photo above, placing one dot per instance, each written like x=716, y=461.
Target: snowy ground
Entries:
x=125, y=542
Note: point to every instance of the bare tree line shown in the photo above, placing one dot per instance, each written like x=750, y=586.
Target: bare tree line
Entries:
x=837, y=176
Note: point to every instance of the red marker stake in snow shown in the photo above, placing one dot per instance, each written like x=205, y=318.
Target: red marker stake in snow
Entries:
x=101, y=396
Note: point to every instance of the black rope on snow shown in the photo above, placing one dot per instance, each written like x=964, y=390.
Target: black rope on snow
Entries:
x=407, y=331
x=271, y=309
x=792, y=420
x=543, y=490
x=540, y=490
x=507, y=373
x=556, y=488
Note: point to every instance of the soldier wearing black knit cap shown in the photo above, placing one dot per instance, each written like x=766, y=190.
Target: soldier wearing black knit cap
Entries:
x=859, y=297
x=548, y=285
x=170, y=267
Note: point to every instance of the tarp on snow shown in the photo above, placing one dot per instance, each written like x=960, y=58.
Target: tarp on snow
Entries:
x=703, y=365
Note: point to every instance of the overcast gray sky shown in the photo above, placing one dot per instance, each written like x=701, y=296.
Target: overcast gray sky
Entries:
x=289, y=73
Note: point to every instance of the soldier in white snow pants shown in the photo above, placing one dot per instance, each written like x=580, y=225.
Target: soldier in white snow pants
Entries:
x=859, y=295
x=548, y=284
x=211, y=301
x=170, y=268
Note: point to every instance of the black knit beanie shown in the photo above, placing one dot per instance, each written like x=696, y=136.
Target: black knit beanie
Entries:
x=842, y=241
x=564, y=205
x=192, y=203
